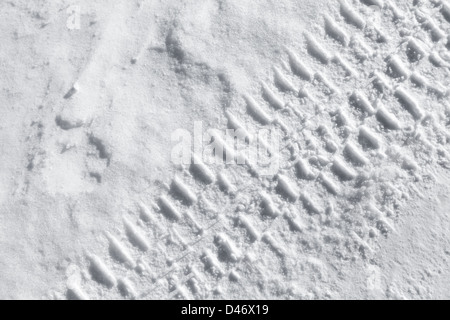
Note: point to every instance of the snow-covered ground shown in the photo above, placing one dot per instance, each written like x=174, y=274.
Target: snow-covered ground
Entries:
x=348, y=101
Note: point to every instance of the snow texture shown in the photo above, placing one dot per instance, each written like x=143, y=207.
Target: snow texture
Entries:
x=93, y=205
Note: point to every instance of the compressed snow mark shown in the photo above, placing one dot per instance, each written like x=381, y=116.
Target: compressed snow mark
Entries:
x=343, y=171
x=236, y=124
x=126, y=288
x=168, y=208
x=336, y=32
x=415, y=51
x=287, y=188
x=135, y=236
x=251, y=229
x=309, y=204
x=72, y=91
x=303, y=170
x=267, y=205
x=101, y=148
x=298, y=67
x=329, y=184
x=274, y=245
x=66, y=124
x=351, y=16
x=360, y=101
x=100, y=272
x=445, y=10
x=225, y=184
x=378, y=4
x=272, y=98
x=369, y=138
x=145, y=213
x=183, y=191
x=355, y=155
x=397, y=69
x=256, y=111
x=74, y=292
x=201, y=171
x=388, y=120
x=119, y=251
x=316, y=50
x=409, y=103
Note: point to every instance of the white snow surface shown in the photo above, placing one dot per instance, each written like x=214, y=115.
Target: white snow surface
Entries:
x=92, y=205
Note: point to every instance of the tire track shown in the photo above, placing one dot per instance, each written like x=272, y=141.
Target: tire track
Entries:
x=331, y=157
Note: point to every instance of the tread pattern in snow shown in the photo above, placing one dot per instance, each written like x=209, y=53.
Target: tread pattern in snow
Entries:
x=353, y=101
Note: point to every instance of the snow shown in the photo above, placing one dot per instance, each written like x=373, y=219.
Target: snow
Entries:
x=350, y=202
